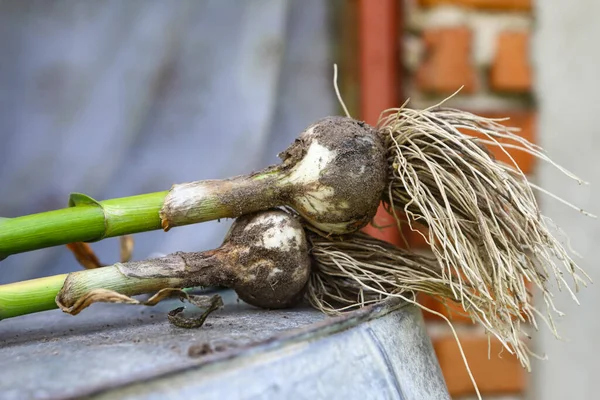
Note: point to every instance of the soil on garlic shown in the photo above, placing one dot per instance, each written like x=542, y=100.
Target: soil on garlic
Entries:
x=272, y=260
x=354, y=178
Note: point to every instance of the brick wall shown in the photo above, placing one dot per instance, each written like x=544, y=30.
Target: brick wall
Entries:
x=482, y=45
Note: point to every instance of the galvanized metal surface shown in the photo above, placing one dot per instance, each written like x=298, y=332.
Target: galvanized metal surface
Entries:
x=129, y=352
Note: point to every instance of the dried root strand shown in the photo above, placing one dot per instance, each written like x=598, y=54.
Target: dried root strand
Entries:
x=485, y=228
x=357, y=270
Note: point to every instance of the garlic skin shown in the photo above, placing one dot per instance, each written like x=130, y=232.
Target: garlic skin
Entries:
x=338, y=174
x=268, y=258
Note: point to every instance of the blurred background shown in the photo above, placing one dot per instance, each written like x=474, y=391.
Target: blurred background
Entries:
x=115, y=98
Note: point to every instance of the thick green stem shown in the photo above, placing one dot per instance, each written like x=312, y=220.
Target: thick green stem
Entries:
x=88, y=220
x=111, y=278
x=28, y=297
x=85, y=221
x=37, y=295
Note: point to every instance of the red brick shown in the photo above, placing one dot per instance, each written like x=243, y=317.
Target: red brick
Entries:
x=416, y=239
x=451, y=310
x=511, y=70
x=447, y=65
x=526, y=121
x=503, y=5
x=384, y=227
x=501, y=374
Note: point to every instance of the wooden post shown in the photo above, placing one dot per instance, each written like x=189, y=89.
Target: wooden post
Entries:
x=380, y=79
